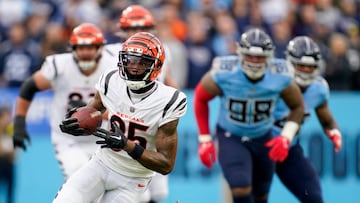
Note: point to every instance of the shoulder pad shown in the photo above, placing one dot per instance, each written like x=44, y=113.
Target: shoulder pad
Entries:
x=224, y=63
x=112, y=49
x=177, y=105
x=104, y=79
x=282, y=67
x=322, y=81
x=54, y=65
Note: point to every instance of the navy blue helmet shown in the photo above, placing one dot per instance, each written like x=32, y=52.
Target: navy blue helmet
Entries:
x=304, y=51
x=255, y=42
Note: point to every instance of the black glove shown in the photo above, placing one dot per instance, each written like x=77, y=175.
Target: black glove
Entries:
x=20, y=133
x=114, y=140
x=73, y=104
x=70, y=125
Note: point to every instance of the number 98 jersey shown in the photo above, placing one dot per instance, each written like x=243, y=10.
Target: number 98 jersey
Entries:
x=247, y=108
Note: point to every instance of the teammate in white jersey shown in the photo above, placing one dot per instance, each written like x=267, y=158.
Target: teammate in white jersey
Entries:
x=72, y=77
x=133, y=19
x=144, y=115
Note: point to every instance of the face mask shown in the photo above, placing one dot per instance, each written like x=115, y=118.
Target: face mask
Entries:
x=135, y=85
x=305, y=79
x=86, y=65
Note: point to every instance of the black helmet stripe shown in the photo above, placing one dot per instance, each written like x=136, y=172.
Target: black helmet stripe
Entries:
x=138, y=42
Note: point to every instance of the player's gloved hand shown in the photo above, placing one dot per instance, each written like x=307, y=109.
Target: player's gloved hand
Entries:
x=115, y=139
x=335, y=136
x=280, y=146
x=70, y=125
x=20, y=133
x=73, y=104
x=207, y=151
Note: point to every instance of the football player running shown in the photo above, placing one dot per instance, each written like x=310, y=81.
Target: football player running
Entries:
x=248, y=86
x=305, y=55
x=144, y=115
x=134, y=19
x=72, y=77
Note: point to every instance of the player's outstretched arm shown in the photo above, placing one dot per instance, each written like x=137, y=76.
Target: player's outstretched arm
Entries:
x=33, y=84
x=280, y=145
x=294, y=100
x=205, y=91
x=329, y=125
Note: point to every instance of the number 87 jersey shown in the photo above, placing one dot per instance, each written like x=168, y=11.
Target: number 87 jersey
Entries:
x=138, y=120
x=247, y=108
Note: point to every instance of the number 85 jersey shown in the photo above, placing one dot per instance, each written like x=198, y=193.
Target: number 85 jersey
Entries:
x=247, y=108
x=139, y=121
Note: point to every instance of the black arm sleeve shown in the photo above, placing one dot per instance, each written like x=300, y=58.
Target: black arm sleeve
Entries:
x=28, y=89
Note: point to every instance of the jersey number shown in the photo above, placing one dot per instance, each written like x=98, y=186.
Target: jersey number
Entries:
x=258, y=110
x=77, y=97
x=132, y=127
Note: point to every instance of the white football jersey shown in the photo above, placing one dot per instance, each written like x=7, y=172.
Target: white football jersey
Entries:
x=165, y=67
x=139, y=121
x=69, y=83
x=113, y=49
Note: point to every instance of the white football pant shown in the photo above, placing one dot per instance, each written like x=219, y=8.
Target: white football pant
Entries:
x=158, y=189
x=93, y=179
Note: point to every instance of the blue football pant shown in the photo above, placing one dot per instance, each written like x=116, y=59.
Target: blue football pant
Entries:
x=245, y=162
x=299, y=176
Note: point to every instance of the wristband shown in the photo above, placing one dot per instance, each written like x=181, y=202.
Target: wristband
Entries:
x=28, y=89
x=20, y=121
x=204, y=138
x=136, y=152
x=333, y=132
x=290, y=129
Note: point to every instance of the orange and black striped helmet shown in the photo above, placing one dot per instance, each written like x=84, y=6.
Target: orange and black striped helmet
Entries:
x=144, y=53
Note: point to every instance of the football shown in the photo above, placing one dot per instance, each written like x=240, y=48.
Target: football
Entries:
x=88, y=118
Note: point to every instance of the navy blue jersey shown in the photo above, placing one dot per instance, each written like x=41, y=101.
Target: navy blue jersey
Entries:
x=315, y=95
x=247, y=108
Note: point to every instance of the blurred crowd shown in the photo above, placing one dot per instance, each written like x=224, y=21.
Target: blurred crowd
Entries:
x=194, y=30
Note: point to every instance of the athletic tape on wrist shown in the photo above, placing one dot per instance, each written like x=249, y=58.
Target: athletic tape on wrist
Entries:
x=204, y=138
x=333, y=132
x=290, y=129
x=136, y=152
